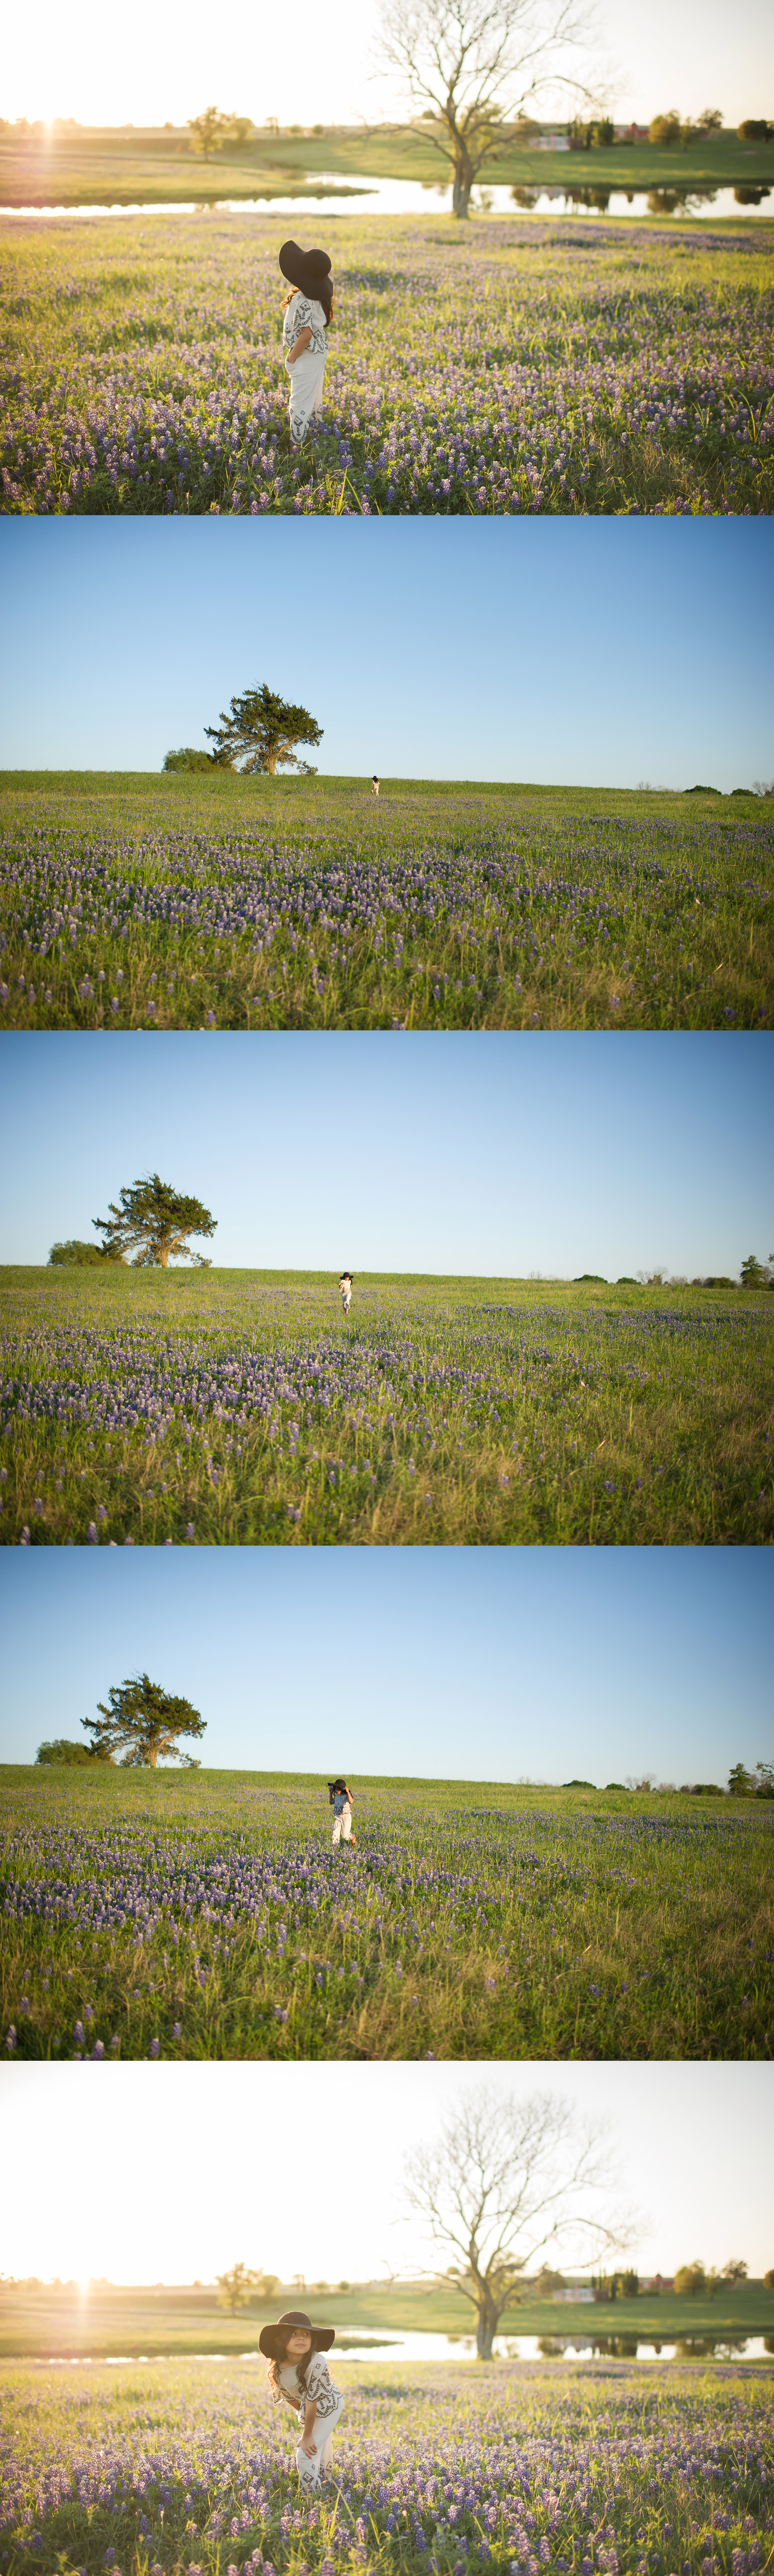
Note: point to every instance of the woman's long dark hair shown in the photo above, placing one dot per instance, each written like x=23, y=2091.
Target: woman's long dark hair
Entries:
x=301, y=2367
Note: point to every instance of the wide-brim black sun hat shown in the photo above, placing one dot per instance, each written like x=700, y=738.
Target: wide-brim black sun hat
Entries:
x=273, y=2338
x=306, y=269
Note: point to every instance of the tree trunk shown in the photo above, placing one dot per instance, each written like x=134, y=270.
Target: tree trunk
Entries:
x=164, y=1255
x=153, y=1755
x=271, y=757
x=486, y=2327
x=463, y=182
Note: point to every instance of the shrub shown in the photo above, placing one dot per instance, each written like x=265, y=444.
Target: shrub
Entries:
x=187, y=760
x=755, y=129
x=78, y=1256
x=72, y=1756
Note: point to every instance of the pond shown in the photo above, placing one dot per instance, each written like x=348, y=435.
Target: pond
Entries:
x=441, y=2347
x=345, y=192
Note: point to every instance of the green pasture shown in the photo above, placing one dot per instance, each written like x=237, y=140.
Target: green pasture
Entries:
x=455, y=1412
x=150, y=166
x=616, y=908
x=38, y=2319
x=468, y=1921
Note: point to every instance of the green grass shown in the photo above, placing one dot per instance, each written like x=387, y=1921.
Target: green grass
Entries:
x=174, y=901
x=470, y=1921
x=238, y=1408
x=103, y=166
x=659, y=2467
x=39, y=2319
x=519, y=364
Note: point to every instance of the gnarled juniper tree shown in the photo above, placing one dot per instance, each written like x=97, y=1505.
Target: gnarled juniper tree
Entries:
x=153, y=1222
x=261, y=733
x=141, y=1722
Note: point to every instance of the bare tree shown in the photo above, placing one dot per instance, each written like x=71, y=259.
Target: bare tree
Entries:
x=467, y=66
x=507, y=2178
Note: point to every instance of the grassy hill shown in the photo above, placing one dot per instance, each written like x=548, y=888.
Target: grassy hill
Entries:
x=39, y=2320
x=155, y=165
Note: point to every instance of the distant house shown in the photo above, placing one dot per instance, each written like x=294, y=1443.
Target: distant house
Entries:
x=552, y=142
x=631, y=133
x=657, y=2281
x=576, y=2291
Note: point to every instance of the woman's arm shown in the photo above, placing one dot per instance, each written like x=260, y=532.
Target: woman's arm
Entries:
x=301, y=343
x=310, y=2419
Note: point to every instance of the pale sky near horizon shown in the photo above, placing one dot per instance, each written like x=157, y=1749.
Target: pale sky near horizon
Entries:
x=474, y=1154
x=688, y=53
x=237, y=2138
x=592, y=652
x=437, y=1663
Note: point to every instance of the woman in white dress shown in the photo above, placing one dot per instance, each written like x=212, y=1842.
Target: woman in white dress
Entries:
x=345, y=1288
x=299, y=2375
x=307, y=308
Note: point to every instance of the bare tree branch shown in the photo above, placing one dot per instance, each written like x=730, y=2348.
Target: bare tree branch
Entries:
x=507, y=2179
x=470, y=65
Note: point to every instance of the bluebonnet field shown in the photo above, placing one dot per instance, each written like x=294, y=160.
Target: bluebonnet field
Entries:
x=514, y=365
x=238, y=1408
x=205, y=1915
x=229, y=902
x=624, y=2472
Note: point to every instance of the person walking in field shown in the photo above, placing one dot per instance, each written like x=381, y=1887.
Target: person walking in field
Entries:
x=340, y=1799
x=307, y=308
x=299, y=2377
x=345, y=1285
x=374, y=785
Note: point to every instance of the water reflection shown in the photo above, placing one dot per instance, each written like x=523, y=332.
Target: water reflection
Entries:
x=461, y=2347
x=353, y=192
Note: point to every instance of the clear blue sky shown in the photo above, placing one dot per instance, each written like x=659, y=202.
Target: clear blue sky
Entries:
x=602, y=651
x=468, y=1154
x=464, y=1663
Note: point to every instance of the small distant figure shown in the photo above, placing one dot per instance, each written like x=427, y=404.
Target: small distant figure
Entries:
x=345, y=1284
x=340, y=1799
x=374, y=786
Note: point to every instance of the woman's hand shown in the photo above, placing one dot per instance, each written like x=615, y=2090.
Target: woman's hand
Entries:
x=303, y=342
x=308, y=2449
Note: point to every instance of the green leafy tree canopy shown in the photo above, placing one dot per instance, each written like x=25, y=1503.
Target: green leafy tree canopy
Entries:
x=141, y=1722
x=153, y=1222
x=755, y=1273
x=211, y=130
x=237, y=2287
x=692, y=2282
x=261, y=732
x=739, y=1783
x=187, y=759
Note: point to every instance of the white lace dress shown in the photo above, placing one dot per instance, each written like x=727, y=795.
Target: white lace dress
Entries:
x=330, y=2407
x=307, y=371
